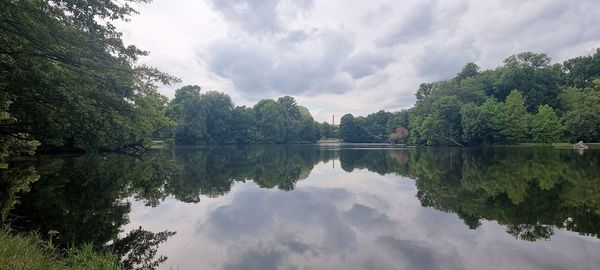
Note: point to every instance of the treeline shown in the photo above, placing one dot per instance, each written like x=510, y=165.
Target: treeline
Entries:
x=527, y=99
x=212, y=118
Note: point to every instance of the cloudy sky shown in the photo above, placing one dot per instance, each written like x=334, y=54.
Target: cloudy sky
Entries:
x=342, y=56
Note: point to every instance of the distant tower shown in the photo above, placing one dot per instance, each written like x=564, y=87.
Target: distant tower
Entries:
x=333, y=119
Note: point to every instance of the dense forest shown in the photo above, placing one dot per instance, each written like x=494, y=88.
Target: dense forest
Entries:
x=527, y=99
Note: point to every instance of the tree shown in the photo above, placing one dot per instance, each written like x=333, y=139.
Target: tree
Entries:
x=493, y=119
x=218, y=108
x=376, y=124
x=582, y=118
x=581, y=71
x=532, y=74
x=71, y=81
x=546, y=126
x=244, y=126
x=271, y=119
x=183, y=95
x=425, y=90
x=396, y=120
x=289, y=105
x=516, y=124
x=352, y=131
x=399, y=136
x=443, y=125
x=470, y=70
x=327, y=131
x=473, y=124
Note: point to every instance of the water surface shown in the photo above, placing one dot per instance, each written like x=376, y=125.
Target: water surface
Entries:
x=318, y=207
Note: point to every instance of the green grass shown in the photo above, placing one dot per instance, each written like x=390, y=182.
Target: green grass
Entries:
x=30, y=252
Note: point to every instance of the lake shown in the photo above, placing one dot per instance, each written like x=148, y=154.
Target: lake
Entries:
x=318, y=206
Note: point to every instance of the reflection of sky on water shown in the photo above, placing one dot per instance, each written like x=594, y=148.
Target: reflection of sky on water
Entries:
x=339, y=220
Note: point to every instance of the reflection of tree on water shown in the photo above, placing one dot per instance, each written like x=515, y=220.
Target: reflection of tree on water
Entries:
x=14, y=181
x=81, y=198
x=530, y=191
x=213, y=171
x=139, y=247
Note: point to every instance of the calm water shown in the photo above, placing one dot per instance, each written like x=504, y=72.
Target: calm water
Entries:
x=319, y=207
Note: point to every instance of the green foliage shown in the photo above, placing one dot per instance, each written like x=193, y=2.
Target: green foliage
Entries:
x=546, y=126
x=437, y=122
x=397, y=120
x=470, y=70
x=473, y=124
x=353, y=131
x=581, y=71
x=582, y=116
x=212, y=118
x=70, y=80
x=16, y=143
x=515, y=119
x=494, y=112
x=328, y=131
x=531, y=191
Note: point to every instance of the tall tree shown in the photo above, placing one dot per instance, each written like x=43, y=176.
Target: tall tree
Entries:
x=470, y=70
x=546, y=126
x=516, y=124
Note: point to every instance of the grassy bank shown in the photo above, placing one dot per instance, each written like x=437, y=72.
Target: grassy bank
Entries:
x=29, y=252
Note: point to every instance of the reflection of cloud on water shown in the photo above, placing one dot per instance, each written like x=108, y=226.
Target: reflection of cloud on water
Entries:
x=417, y=255
x=257, y=260
x=367, y=218
x=319, y=227
x=309, y=214
x=334, y=228
x=373, y=222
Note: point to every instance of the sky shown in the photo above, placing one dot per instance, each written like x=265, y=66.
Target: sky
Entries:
x=341, y=56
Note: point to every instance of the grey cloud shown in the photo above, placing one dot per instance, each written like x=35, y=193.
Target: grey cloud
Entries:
x=257, y=16
x=250, y=15
x=365, y=217
x=366, y=63
x=548, y=26
x=415, y=23
x=443, y=61
x=257, y=260
x=300, y=67
x=263, y=213
x=304, y=4
x=373, y=15
x=417, y=255
x=296, y=36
